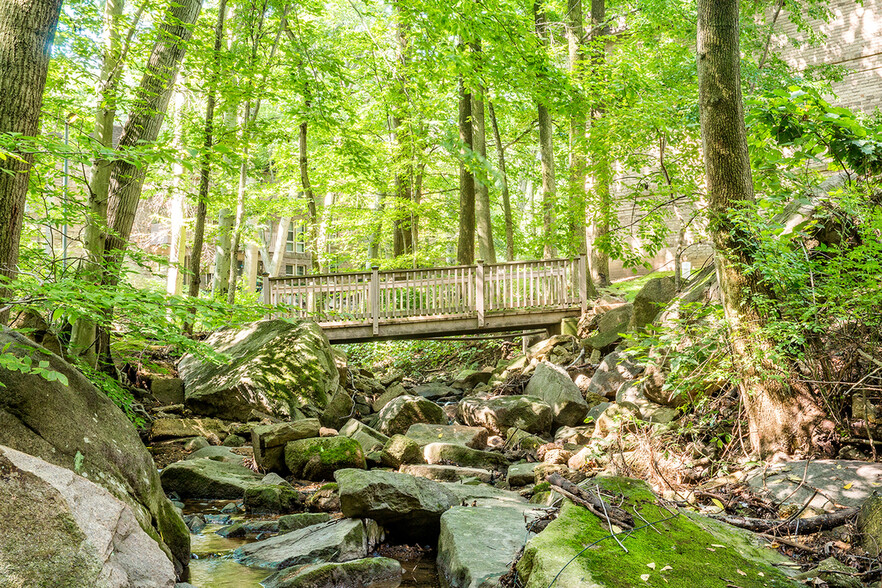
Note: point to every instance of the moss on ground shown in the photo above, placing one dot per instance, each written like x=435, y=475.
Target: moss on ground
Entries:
x=677, y=552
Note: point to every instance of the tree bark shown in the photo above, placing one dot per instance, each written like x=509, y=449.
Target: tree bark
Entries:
x=178, y=231
x=506, y=199
x=222, y=257
x=148, y=112
x=780, y=417
x=27, y=31
x=598, y=227
x=483, y=219
x=578, y=121
x=465, y=249
x=546, y=149
x=205, y=165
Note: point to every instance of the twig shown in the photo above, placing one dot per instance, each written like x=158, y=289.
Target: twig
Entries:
x=805, y=526
x=610, y=526
x=786, y=541
x=593, y=503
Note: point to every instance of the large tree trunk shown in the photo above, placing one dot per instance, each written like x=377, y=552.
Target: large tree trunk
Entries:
x=465, y=248
x=205, y=164
x=546, y=149
x=780, y=417
x=222, y=255
x=148, y=112
x=506, y=199
x=27, y=31
x=311, y=208
x=483, y=220
x=598, y=227
x=178, y=231
x=578, y=119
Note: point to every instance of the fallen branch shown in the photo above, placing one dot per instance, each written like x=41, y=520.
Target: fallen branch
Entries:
x=593, y=503
x=795, y=527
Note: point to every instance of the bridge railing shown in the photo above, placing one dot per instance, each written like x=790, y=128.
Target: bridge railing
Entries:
x=457, y=291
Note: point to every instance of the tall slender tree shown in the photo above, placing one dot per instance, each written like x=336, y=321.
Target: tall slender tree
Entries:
x=465, y=249
x=546, y=146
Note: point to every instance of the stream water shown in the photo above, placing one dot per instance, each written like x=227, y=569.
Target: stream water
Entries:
x=212, y=565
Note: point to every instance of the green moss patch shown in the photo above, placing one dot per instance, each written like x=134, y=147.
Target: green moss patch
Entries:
x=678, y=550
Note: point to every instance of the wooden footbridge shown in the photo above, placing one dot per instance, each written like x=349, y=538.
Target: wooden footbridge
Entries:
x=433, y=302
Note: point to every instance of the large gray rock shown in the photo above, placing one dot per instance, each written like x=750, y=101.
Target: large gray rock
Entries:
x=631, y=396
x=611, y=325
x=269, y=441
x=423, y=434
x=651, y=299
x=553, y=385
x=615, y=369
x=206, y=478
x=224, y=454
x=460, y=455
x=275, y=366
x=402, y=412
x=372, y=572
x=401, y=450
x=319, y=458
x=60, y=529
x=500, y=413
x=447, y=473
x=334, y=541
x=77, y=427
x=435, y=390
x=369, y=438
x=466, y=559
x=844, y=482
x=174, y=428
x=406, y=506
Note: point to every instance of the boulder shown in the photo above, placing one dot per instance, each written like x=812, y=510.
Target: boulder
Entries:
x=404, y=411
x=206, y=478
x=334, y=541
x=60, y=529
x=407, y=506
x=388, y=396
x=631, y=396
x=500, y=413
x=575, y=435
x=423, y=434
x=319, y=458
x=468, y=379
x=460, y=455
x=687, y=550
x=371, y=572
x=223, y=454
x=369, y=438
x=77, y=427
x=844, y=482
x=275, y=366
x=338, y=410
x=271, y=499
x=651, y=299
x=615, y=369
x=611, y=325
x=168, y=390
x=553, y=385
x=234, y=441
x=293, y=522
x=518, y=440
x=435, y=390
x=447, y=473
x=466, y=559
x=269, y=441
x=401, y=450
x=521, y=474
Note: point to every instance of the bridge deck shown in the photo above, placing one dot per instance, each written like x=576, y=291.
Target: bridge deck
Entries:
x=411, y=304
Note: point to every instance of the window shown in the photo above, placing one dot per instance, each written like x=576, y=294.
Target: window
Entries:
x=289, y=245
x=289, y=270
x=296, y=242
x=301, y=270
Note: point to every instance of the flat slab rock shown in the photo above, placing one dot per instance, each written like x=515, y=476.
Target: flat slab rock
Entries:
x=473, y=437
x=446, y=473
x=845, y=482
x=206, y=478
x=371, y=572
x=335, y=541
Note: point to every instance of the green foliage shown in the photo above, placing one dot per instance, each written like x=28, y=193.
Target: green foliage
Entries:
x=120, y=396
x=417, y=358
x=27, y=365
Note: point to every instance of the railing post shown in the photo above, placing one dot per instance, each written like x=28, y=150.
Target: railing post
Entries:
x=375, y=298
x=583, y=282
x=479, y=292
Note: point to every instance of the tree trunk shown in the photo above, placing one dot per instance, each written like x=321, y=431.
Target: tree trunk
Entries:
x=222, y=258
x=578, y=119
x=598, y=227
x=311, y=208
x=27, y=31
x=178, y=230
x=484, y=223
x=546, y=149
x=148, y=112
x=780, y=418
x=239, y=218
x=465, y=249
x=506, y=199
x=373, y=252
x=274, y=268
x=205, y=165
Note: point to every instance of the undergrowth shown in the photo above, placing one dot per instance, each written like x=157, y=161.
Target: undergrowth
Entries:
x=418, y=358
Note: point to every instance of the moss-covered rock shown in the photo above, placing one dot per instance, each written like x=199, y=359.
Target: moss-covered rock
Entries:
x=450, y=453
x=553, y=385
x=369, y=438
x=293, y=522
x=175, y=428
x=372, y=572
x=501, y=413
x=206, y=478
x=271, y=499
x=319, y=458
x=401, y=450
x=269, y=441
x=279, y=367
x=402, y=412
x=77, y=427
x=680, y=550
x=474, y=437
